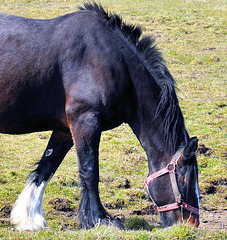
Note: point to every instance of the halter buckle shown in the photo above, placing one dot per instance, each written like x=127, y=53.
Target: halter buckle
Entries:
x=171, y=167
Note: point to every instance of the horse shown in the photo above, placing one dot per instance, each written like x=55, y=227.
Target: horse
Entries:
x=78, y=75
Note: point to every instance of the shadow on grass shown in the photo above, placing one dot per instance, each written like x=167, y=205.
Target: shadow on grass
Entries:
x=139, y=224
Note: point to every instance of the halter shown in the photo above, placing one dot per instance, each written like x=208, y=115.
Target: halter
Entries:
x=170, y=168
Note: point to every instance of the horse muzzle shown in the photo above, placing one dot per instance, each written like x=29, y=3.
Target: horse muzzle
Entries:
x=191, y=219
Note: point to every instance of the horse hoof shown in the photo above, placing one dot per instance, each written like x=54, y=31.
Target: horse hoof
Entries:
x=117, y=223
x=23, y=225
x=113, y=222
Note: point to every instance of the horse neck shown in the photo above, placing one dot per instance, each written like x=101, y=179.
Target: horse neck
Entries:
x=149, y=126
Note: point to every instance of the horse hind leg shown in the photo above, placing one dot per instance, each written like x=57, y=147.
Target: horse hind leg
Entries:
x=27, y=213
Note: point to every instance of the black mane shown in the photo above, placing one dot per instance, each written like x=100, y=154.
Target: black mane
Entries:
x=145, y=46
x=152, y=58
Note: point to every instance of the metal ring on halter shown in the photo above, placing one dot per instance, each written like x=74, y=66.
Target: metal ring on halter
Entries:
x=173, y=165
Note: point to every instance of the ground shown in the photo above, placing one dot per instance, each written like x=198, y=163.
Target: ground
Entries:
x=213, y=219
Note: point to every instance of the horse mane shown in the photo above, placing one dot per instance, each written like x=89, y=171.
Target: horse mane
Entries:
x=152, y=59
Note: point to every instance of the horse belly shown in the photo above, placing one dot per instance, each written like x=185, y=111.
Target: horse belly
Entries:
x=31, y=111
x=11, y=123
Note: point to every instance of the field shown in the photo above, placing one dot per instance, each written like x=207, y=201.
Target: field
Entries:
x=192, y=37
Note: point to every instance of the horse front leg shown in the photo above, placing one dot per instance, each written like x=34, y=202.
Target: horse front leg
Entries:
x=27, y=213
x=86, y=133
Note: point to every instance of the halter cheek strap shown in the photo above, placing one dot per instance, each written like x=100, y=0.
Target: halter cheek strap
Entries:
x=170, y=168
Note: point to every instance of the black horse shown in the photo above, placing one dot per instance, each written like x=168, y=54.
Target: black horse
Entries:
x=81, y=74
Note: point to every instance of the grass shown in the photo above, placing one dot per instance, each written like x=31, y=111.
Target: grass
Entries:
x=191, y=35
x=173, y=233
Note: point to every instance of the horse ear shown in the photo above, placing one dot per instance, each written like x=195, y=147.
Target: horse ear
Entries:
x=190, y=148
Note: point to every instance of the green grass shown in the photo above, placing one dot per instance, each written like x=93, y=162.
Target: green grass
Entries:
x=101, y=232
x=192, y=36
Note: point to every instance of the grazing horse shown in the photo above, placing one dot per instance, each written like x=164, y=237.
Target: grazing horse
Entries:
x=81, y=74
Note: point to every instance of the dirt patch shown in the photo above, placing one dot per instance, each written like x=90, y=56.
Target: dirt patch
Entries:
x=150, y=210
x=202, y=149
x=125, y=185
x=215, y=220
x=119, y=204
x=6, y=210
x=61, y=204
x=119, y=216
x=220, y=181
x=63, y=209
x=215, y=186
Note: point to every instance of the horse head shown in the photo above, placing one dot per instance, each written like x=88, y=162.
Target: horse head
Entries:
x=174, y=188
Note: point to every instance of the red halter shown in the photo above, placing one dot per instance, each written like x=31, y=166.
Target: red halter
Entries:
x=170, y=168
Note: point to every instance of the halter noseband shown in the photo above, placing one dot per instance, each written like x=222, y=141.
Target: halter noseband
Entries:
x=170, y=168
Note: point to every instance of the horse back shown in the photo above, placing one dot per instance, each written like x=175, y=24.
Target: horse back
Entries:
x=45, y=64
